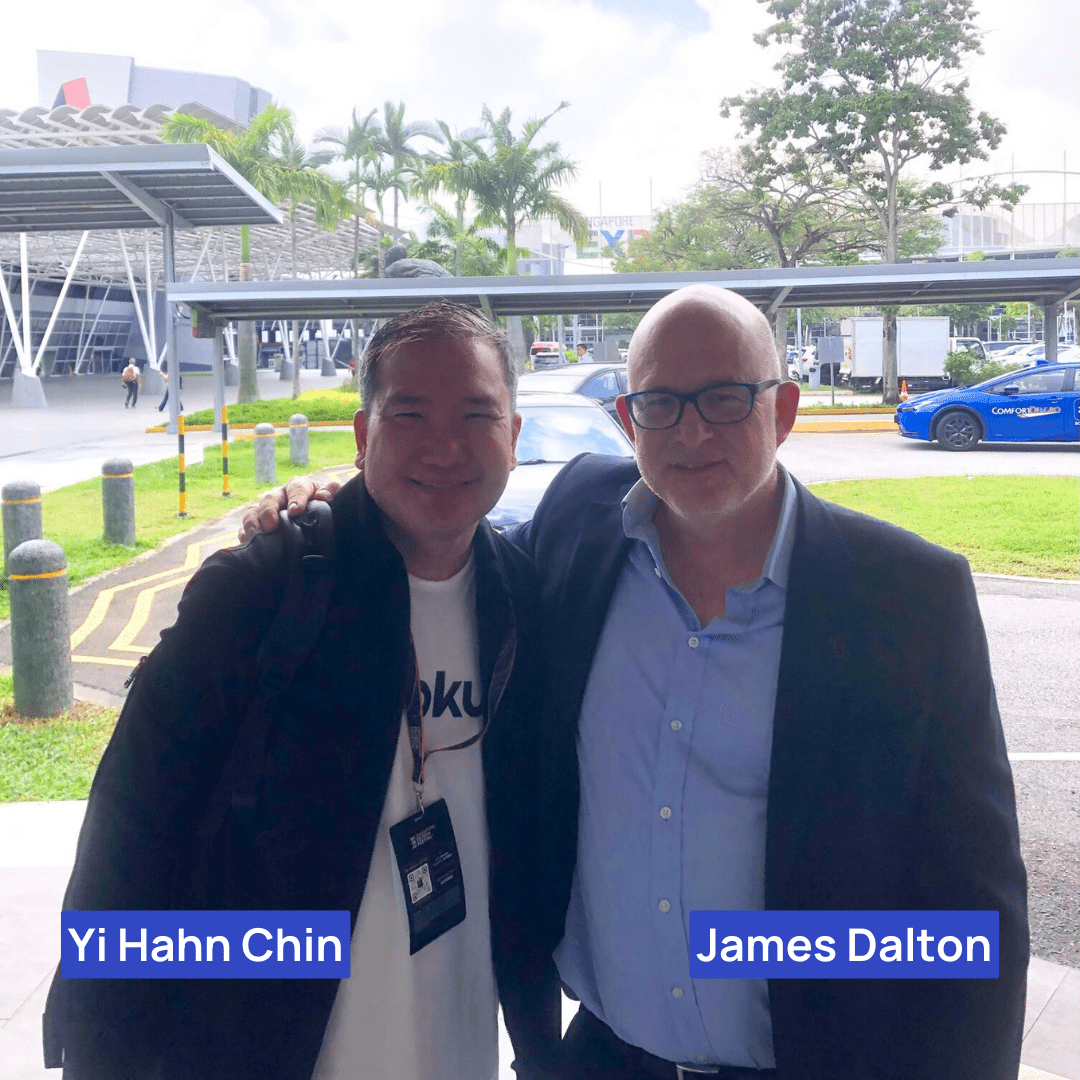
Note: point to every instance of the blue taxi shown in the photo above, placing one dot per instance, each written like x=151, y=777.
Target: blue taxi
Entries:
x=1037, y=404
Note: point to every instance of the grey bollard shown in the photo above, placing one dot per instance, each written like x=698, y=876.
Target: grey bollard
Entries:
x=298, y=439
x=40, y=629
x=265, y=462
x=118, y=501
x=22, y=514
x=286, y=372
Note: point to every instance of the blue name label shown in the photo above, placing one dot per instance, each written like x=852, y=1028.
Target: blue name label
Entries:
x=204, y=944
x=844, y=944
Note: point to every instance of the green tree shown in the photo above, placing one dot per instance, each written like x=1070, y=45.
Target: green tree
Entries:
x=356, y=146
x=461, y=247
x=874, y=87
x=447, y=170
x=405, y=162
x=512, y=182
x=250, y=152
x=302, y=179
x=691, y=235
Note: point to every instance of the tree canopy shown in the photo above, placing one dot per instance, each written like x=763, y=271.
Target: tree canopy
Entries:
x=872, y=88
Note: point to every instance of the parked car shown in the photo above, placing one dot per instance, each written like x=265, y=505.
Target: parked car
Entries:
x=545, y=354
x=1035, y=404
x=601, y=382
x=554, y=429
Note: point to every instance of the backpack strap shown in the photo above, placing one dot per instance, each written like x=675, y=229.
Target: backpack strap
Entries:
x=288, y=643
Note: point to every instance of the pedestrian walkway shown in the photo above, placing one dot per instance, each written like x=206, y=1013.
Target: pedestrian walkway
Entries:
x=86, y=422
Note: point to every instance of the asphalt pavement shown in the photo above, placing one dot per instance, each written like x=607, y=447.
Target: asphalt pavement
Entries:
x=1032, y=626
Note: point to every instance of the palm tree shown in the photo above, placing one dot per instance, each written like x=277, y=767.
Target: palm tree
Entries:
x=472, y=255
x=250, y=152
x=357, y=146
x=512, y=183
x=446, y=171
x=301, y=179
x=395, y=145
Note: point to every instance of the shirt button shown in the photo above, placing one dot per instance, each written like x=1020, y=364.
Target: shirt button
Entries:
x=676, y=725
x=665, y=812
x=676, y=991
x=664, y=905
x=693, y=643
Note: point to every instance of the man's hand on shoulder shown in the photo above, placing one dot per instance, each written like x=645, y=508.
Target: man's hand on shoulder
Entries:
x=294, y=496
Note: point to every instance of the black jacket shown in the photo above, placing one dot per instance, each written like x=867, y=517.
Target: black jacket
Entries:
x=889, y=784
x=307, y=843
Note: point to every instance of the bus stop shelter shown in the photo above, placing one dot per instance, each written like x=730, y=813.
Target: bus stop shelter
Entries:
x=92, y=189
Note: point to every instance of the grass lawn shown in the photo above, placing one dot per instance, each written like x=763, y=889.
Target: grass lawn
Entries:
x=49, y=760
x=71, y=517
x=1025, y=525
x=336, y=403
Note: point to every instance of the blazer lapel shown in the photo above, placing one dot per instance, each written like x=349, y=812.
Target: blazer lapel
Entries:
x=581, y=607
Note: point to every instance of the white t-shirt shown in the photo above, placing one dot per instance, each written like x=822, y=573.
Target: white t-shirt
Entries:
x=431, y=1016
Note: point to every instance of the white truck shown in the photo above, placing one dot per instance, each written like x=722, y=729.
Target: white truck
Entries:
x=922, y=343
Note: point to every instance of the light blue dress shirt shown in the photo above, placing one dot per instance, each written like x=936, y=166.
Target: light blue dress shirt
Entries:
x=674, y=745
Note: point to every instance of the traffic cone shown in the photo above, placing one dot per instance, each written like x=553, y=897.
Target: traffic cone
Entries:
x=903, y=390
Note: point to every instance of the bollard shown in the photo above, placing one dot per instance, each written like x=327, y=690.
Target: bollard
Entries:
x=265, y=463
x=118, y=501
x=225, y=492
x=182, y=511
x=40, y=629
x=298, y=439
x=22, y=514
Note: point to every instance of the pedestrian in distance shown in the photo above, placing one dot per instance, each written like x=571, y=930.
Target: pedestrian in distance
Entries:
x=164, y=369
x=131, y=380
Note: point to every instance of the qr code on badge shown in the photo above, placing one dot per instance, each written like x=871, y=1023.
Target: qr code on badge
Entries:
x=419, y=883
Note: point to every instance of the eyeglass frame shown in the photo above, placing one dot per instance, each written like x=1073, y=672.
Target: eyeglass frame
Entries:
x=692, y=398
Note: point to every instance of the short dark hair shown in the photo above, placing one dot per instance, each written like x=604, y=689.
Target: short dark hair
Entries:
x=440, y=319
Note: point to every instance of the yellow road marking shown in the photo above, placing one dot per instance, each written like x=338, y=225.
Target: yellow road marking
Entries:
x=104, y=598
x=831, y=427
x=111, y=661
x=140, y=613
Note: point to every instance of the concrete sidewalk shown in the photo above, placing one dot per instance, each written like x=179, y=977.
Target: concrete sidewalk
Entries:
x=37, y=848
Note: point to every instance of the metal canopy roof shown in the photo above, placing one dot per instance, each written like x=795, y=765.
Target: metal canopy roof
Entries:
x=75, y=188
x=1035, y=280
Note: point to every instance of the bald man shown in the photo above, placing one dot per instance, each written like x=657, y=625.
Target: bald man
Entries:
x=758, y=700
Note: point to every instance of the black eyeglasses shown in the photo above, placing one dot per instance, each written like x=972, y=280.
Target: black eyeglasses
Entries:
x=721, y=403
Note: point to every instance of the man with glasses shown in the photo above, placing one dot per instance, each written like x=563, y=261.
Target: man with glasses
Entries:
x=758, y=701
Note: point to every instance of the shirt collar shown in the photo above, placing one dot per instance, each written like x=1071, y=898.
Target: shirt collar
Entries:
x=639, y=509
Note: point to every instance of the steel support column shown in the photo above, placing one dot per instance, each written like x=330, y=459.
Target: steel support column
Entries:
x=168, y=250
x=1050, y=329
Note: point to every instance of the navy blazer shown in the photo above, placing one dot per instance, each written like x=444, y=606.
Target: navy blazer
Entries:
x=889, y=784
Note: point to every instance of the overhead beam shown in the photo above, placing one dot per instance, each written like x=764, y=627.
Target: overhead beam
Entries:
x=155, y=209
x=778, y=299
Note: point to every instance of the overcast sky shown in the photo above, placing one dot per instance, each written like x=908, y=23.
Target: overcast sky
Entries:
x=644, y=77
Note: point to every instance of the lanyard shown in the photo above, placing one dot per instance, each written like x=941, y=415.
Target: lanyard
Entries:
x=415, y=720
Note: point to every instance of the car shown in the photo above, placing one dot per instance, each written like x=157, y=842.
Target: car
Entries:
x=601, y=382
x=554, y=428
x=545, y=354
x=1034, y=404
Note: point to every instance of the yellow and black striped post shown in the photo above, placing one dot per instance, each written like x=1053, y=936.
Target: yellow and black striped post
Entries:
x=182, y=512
x=225, y=492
